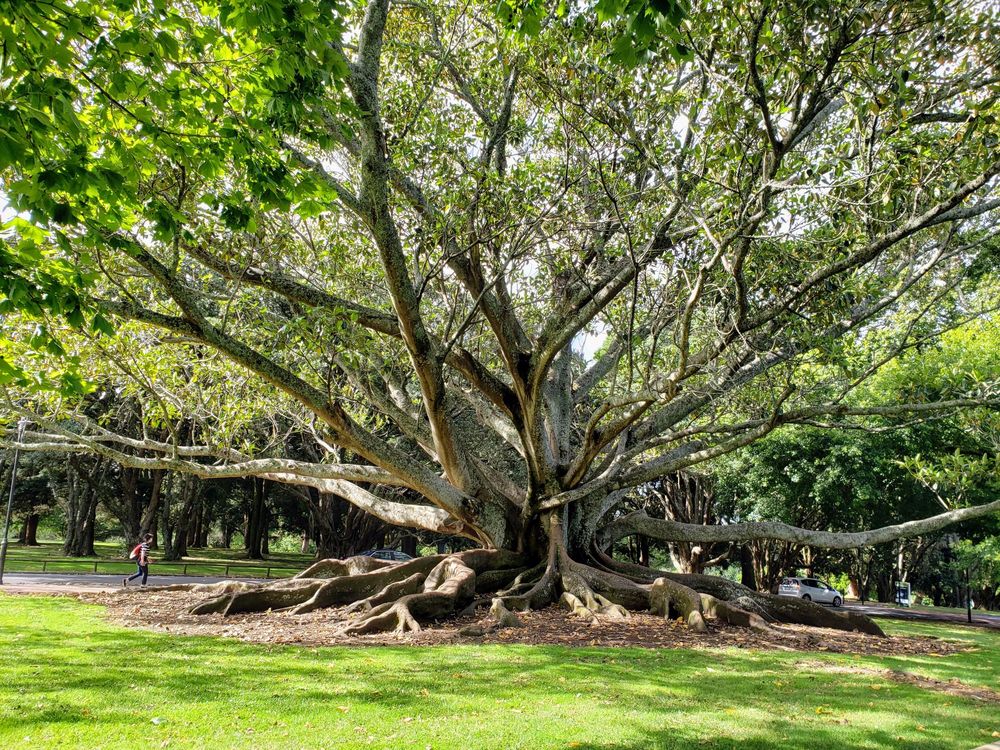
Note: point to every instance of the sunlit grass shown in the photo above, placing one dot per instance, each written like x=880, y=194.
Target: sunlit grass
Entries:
x=73, y=680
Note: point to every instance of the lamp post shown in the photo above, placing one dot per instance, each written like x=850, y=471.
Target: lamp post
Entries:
x=968, y=595
x=21, y=424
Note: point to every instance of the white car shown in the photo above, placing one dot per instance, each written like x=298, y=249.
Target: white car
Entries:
x=810, y=589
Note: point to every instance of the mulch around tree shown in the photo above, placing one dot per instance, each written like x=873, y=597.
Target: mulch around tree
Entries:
x=167, y=612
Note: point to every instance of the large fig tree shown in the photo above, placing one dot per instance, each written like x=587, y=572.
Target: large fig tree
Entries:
x=509, y=274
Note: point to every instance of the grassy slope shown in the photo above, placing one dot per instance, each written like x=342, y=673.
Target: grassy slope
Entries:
x=72, y=680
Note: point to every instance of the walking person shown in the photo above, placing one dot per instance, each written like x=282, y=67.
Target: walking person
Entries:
x=141, y=556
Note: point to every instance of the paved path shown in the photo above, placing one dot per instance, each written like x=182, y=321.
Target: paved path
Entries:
x=979, y=618
x=73, y=583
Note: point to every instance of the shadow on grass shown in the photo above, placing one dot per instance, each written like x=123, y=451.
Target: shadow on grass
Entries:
x=64, y=668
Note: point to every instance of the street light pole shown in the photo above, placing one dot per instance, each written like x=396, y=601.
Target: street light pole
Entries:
x=968, y=595
x=21, y=424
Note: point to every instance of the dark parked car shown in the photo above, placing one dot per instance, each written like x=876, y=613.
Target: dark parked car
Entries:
x=387, y=554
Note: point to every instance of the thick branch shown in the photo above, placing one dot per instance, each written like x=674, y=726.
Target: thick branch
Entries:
x=674, y=531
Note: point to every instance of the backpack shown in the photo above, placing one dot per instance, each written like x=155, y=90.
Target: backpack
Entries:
x=135, y=551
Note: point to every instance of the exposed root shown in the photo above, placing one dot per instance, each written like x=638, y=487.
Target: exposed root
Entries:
x=577, y=594
x=575, y=607
x=397, y=597
x=449, y=586
x=665, y=595
x=540, y=593
x=489, y=581
x=739, y=602
x=799, y=611
x=222, y=587
x=733, y=615
x=363, y=580
x=390, y=593
x=498, y=618
x=503, y=617
x=257, y=597
x=352, y=566
x=349, y=589
x=524, y=580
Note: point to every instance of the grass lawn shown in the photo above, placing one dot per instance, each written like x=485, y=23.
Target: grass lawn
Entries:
x=71, y=680
x=111, y=559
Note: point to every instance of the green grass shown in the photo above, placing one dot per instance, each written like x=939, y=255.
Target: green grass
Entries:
x=110, y=558
x=72, y=680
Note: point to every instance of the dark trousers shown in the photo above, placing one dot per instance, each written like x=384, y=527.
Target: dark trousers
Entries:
x=143, y=571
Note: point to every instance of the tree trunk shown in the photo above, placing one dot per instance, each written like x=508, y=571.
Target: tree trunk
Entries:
x=409, y=545
x=265, y=533
x=154, y=529
x=29, y=532
x=253, y=536
x=129, y=510
x=84, y=483
x=148, y=517
x=747, y=577
x=204, y=525
x=686, y=497
x=189, y=496
x=166, y=525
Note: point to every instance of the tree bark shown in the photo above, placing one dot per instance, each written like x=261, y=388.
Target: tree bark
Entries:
x=29, y=531
x=84, y=483
x=255, y=520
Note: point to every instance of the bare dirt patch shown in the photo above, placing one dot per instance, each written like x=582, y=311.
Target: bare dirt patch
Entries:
x=167, y=611
x=951, y=687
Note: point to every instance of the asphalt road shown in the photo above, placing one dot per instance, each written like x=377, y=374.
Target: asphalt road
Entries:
x=978, y=618
x=73, y=582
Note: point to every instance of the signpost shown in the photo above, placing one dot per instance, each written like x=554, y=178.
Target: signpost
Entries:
x=903, y=593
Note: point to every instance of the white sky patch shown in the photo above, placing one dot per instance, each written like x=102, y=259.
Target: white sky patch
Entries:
x=680, y=125
x=586, y=343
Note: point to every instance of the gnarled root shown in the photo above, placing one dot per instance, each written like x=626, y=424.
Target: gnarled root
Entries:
x=785, y=609
x=448, y=587
x=351, y=566
x=502, y=616
x=351, y=588
x=382, y=595
x=736, y=604
x=732, y=615
x=581, y=600
x=665, y=595
x=229, y=599
x=390, y=593
x=498, y=618
x=222, y=587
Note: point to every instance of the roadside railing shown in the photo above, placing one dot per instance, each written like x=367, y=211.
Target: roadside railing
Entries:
x=226, y=570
